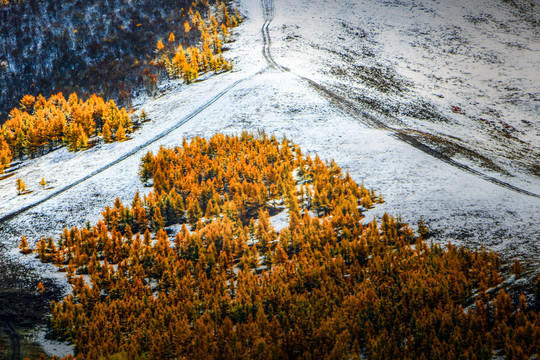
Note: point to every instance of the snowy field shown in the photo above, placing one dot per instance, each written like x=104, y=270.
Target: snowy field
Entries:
x=391, y=51
x=443, y=72
x=462, y=75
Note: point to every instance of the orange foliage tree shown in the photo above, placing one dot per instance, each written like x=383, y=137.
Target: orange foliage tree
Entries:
x=189, y=63
x=227, y=284
x=40, y=125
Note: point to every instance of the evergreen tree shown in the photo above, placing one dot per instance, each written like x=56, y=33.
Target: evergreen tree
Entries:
x=517, y=269
x=106, y=132
x=120, y=133
x=160, y=46
x=21, y=187
x=40, y=288
x=194, y=212
x=157, y=220
x=23, y=246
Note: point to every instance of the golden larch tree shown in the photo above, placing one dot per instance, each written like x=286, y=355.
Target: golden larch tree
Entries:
x=21, y=186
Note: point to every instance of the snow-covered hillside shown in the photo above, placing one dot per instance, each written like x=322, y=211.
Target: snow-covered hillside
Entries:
x=359, y=82
x=308, y=38
x=460, y=77
x=382, y=52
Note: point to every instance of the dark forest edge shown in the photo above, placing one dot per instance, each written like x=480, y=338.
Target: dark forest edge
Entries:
x=39, y=125
x=48, y=46
x=196, y=269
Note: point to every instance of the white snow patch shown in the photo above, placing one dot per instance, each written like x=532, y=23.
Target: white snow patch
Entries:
x=280, y=221
x=52, y=347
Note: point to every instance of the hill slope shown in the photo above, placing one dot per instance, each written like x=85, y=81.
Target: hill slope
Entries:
x=103, y=47
x=414, y=182
x=458, y=205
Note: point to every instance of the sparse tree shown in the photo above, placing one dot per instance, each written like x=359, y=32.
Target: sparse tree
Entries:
x=422, y=228
x=23, y=246
x=143, y=116
x=21, y=186
x=159, y=46
x=40, y=288
x=106, y=132
x=517, y=269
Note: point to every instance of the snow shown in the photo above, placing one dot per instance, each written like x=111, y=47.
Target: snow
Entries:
x=174, y=229
x=57, y=348
x=480, y=56
x=465, y=64
x=280, y=221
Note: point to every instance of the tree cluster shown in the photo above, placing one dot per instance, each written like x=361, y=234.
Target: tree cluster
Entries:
x=189, y=63
x=227, y=285
x=40, y=125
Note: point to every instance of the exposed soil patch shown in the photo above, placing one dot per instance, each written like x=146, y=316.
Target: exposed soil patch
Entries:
x=382, y=78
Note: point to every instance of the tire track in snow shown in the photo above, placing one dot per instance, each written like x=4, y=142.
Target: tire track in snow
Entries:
x=268, y=13
x=368, y=119
x=127, y=155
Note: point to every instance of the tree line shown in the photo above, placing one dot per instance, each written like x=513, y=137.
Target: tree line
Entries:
x=39, y=125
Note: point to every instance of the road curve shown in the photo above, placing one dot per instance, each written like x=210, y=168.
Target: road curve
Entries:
x=368, y=119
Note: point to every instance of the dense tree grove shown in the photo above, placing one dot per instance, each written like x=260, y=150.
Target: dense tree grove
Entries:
x=195, y=269
x=39, y=125
x=50, y=46
x=189, y=63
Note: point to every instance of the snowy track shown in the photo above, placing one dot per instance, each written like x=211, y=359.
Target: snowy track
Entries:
x=365, y=118
x=268, y=13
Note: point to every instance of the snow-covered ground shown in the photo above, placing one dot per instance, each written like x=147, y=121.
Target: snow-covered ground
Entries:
x=462, y=75
x=413, y=59
x=315, y=39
